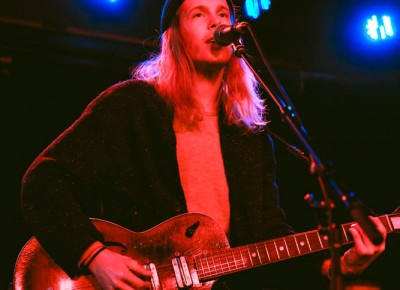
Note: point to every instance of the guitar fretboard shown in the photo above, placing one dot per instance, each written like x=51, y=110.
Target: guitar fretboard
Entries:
x=213, y=265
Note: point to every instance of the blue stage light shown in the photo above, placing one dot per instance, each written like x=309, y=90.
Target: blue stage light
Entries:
x=253, y=8
x=111, y=13
x=265, y=4
x=379, y=28
x=108, y=5
x=368, y=32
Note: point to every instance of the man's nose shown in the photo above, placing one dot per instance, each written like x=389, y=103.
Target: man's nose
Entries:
x=214, y=22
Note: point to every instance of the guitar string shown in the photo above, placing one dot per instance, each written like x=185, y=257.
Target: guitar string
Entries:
x=233, y=264
x=313, y=239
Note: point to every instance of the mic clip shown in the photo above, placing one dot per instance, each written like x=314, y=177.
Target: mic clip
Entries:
x=227, y=34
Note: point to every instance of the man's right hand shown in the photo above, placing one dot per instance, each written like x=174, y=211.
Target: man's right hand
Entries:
x=115, y=271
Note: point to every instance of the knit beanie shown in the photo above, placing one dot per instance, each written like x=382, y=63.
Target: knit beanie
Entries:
x=171, y=7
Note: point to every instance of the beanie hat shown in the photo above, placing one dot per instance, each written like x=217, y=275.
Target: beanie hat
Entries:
x=171, y=7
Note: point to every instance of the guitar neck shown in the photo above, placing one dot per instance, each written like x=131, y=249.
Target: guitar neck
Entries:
x=214, y=265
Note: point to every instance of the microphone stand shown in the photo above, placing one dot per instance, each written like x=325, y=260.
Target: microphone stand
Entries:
x=325, y=177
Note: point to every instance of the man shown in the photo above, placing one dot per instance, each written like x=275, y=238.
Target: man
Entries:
x=186, y=135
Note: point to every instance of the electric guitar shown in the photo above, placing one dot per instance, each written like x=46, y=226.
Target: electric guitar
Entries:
x=189, y=251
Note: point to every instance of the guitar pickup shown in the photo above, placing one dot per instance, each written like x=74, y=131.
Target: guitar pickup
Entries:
x=182, y=273
x=155, y=281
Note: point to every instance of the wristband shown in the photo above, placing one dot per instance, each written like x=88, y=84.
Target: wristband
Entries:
x=94, y=256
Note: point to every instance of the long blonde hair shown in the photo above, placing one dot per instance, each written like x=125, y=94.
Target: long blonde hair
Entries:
x=170, y=72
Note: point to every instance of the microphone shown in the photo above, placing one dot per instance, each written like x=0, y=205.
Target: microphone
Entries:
x=226, y=34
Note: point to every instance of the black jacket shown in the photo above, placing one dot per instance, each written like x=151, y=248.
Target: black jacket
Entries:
x=118, y=162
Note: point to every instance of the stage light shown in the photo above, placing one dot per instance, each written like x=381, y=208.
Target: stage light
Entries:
x=368, y=33
x=108, y=5
x=379, y=28
x=108, y=13
x=253, y=8
x=265, y=4
x=111, y=1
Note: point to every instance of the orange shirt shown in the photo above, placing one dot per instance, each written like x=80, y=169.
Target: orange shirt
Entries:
x=202, y=171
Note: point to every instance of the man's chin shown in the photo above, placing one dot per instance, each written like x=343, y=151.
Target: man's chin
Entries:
x=217, y=62
x=210, y=65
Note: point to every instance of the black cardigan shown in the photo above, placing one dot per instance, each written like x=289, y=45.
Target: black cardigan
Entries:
x=118, y=162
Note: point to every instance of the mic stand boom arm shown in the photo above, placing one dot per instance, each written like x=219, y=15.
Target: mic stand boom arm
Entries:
x=357, y=209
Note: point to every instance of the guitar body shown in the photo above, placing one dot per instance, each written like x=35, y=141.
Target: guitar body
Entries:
x=186, y=235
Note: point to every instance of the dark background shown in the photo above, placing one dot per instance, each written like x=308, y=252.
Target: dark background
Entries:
x=56, y=56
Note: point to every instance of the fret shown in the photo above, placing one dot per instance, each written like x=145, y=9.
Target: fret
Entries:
x=297, y=244
x=258, y=254
x=345, y=232
x=224, y=260
x=388, y=225
x=302, y=242
x=221, y=264
x=266, y=251
x=320, y=242
x=293, y=248
x=313, y=240
x=216, y=262
x=211, y=267
x=214, y=265
x=276, y=249
x=324, y=240
x=308, y=242
x=237, y=256
x=262, y=253
x=286, y=247
x=282, y=248
x=244, y=254
x=250, y=259
x=271, y=249
x=241, y=257
x=199, y=265
x=254, y=255
x=205, y=264
x=230, y=259
x=227, y=260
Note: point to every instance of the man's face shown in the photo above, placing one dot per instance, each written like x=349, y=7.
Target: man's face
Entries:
x=198, y=20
